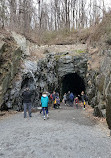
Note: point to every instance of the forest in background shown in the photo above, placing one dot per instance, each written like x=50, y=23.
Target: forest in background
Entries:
x=54, y=20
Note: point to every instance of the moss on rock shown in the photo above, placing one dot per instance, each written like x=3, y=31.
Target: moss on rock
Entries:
x=10, y=56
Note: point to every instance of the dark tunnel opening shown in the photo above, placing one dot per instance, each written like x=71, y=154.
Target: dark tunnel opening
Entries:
x=28, y=82
x=25, y=83
x=74, y=83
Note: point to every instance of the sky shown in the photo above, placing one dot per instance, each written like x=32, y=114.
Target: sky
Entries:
x=107, y=2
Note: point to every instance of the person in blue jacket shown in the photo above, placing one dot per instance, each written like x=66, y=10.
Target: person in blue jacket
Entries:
x=71, y=99
x=44, y=103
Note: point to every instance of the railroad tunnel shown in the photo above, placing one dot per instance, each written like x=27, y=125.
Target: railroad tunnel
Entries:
x=74, y=83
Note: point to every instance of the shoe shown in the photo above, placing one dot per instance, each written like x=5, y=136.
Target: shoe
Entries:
x=44, y=117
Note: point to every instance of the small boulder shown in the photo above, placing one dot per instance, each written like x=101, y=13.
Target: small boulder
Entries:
x=97, y=112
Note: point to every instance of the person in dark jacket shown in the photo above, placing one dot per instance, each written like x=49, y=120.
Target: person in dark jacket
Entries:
x=27, y=94
x=83, y=97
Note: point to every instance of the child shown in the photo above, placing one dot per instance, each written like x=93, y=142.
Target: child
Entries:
x=65, y=98
x=57, y=102
x=76, y=102
x=44, y=102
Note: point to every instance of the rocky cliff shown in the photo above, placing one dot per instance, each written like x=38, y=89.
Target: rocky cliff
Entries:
x=10, y=56
x=99, y=86
x=44, y=68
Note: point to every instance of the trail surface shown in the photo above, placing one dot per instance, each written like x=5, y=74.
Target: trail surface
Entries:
x=68, y=133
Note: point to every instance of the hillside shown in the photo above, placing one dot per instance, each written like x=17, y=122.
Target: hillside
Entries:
x=94, y=35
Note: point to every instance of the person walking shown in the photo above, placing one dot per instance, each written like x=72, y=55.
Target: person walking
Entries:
x=54, y=99
x=44, y=103
x=82, y=96
x=26, y=95
x=76, y=102
x=65, y=98
x=57, y=102
x=71, y=98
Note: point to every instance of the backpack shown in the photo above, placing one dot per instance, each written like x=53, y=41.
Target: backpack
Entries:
x=51, y=96
x=55, y=101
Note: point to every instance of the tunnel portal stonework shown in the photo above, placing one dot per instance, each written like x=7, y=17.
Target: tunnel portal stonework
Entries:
x=52, y=69
x=47, y=75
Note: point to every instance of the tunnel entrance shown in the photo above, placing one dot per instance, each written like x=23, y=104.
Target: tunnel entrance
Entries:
x=74, y=83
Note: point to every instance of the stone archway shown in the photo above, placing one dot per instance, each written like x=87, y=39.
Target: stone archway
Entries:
x=72, y=82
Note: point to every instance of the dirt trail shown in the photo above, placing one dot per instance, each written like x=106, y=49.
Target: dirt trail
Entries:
x=68, y=133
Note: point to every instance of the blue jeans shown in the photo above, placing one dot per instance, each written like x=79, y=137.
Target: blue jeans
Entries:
x=45, y=109
x=27, y=106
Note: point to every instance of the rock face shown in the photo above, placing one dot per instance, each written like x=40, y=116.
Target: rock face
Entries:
x=10, y=56
x=14, y=64
x=51, y=70
x=99, y=88
x=46, y=72
x=105, y=87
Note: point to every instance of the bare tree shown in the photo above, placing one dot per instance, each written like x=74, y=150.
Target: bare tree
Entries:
x=26, y=16
x=3, y=9
x=13, y=8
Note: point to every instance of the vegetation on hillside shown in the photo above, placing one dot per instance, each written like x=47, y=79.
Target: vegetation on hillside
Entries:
x=97, y=33
x=56, y=21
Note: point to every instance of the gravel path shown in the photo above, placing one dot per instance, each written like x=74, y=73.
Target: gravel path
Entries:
x=68, y=133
